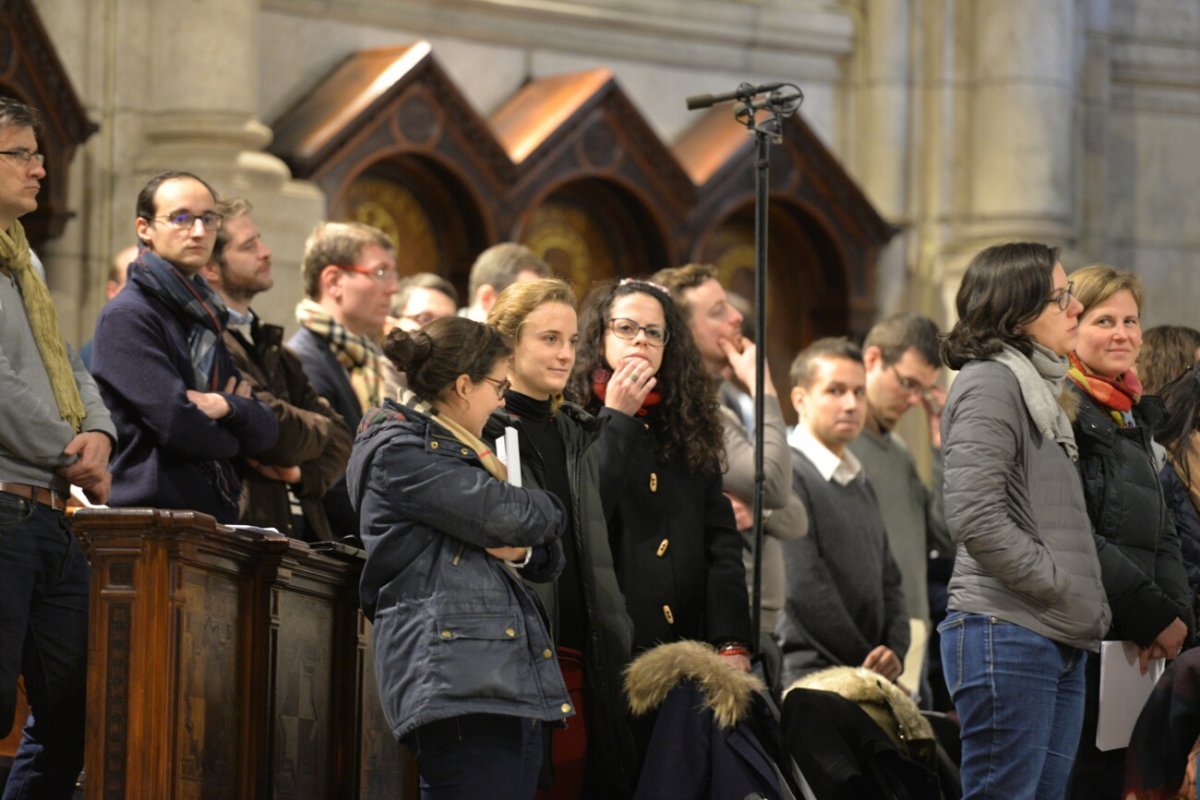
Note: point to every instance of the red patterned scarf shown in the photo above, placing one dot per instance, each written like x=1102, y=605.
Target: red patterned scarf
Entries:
x=600, y=379
x=1118, y=395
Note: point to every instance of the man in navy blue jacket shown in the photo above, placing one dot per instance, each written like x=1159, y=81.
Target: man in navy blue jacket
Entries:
x=182, y=411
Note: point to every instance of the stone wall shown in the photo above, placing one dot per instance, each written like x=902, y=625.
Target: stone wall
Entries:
x=967, y=122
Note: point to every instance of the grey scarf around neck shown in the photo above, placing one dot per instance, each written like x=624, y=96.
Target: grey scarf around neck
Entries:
x=1041, y=377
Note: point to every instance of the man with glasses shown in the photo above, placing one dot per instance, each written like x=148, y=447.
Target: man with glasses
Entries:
x=421, y=299
x=285, y=485
x=54, y=432
x=716, y=328
x=182, y=410
x=350, y=276
x=901, y=358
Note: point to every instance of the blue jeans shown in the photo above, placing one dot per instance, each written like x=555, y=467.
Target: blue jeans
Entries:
x=43, y=636
x=1019, y=698
x=478, y=757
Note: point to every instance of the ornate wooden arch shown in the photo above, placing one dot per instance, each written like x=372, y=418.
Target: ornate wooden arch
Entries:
x=569, y=166
x=30, y=71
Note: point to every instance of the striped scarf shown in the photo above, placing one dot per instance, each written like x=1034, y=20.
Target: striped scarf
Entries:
x=43, y=321
x=1117, y=395
x=201, y=310
x=359, y=355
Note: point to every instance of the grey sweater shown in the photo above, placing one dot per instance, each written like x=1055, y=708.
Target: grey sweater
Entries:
x=843, y=586
x=32, y=432
x=1015, y=508
x=912, y=513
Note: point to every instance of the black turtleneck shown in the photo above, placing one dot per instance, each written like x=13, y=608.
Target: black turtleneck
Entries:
x=541, y=441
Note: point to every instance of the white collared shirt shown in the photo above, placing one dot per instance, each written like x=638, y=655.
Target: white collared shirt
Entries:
x=842, y=469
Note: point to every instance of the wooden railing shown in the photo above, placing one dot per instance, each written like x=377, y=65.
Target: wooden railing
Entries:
x=226, y=663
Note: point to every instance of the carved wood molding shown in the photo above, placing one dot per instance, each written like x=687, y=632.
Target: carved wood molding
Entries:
x=31, y=72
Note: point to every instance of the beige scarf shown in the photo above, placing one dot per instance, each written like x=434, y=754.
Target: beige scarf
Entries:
x=359, y=355
x=43, y=320
x=495, y=467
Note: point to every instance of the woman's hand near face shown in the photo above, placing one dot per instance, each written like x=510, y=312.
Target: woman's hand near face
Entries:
x=628, y=386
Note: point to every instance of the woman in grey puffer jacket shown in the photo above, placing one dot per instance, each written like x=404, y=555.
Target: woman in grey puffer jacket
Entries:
x=1026, y=599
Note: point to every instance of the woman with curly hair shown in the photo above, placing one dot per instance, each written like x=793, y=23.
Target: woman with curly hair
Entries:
x=677, y=551
x=595, y=755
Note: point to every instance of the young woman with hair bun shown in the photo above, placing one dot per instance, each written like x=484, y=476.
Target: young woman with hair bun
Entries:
x=463, y=658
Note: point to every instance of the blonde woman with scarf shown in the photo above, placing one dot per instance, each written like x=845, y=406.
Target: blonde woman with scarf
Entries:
x=1136, y=541
x=463, y=659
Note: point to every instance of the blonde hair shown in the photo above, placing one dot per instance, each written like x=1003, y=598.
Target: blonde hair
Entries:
x=1096, y=283
x=521, y=299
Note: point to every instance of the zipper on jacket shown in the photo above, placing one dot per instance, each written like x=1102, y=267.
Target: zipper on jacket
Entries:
x=458, y=556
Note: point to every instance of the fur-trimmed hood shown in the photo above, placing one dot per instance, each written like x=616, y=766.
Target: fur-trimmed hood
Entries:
x=652, y=675
x=869, y=688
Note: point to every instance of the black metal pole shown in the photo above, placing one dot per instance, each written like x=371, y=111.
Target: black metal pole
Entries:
x=762, y=183
x=782, y=101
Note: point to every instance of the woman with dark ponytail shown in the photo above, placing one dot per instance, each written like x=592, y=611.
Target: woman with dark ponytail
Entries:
x=463, y=659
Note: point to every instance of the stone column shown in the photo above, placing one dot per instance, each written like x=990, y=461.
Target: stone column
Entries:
x=1021, y=162
x=173, y=86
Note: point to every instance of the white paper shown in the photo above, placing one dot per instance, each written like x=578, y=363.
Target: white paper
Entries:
x=508, y=450
x=914, y=661
x=1123, y=692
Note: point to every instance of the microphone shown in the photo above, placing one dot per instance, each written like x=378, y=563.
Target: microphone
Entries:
x=745, y=90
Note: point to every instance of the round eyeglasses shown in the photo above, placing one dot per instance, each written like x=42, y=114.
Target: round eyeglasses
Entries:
x=1063, y=296
x=622, y=328
x=186, y=220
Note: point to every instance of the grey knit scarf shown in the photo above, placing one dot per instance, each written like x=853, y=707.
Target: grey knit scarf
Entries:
x=1042, y=377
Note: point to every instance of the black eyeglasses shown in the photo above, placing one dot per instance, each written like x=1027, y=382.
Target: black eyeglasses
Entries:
x=501, y=386
x=186, y=220
x=1063, y=296
x=23, y=156
x=622, y=328
x=910, y=385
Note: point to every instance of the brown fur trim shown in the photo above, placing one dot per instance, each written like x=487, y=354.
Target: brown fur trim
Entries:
x=1069, y=400
x=864, y=686
x=653, y=674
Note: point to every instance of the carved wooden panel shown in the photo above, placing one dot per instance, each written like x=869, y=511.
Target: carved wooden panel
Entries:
x=569, y=166
x=30, y=71
x=230, y=666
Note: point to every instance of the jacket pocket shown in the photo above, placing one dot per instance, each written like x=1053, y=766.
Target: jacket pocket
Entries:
x=483, y=656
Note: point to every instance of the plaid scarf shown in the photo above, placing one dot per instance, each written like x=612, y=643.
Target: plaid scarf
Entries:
x=200, y=309
x=357, y=354
x=1118, y=396
x=43, y=321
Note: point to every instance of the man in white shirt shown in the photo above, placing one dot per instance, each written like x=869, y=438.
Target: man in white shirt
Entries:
x=844, y=603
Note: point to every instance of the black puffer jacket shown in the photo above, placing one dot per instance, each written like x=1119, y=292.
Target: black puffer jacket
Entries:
x=1136, y=540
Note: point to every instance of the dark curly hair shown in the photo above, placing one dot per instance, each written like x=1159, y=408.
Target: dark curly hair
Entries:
x=1004, y=287
x=690, y=421
x=1181, y=397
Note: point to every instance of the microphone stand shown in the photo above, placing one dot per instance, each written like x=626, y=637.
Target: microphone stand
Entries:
x=781, y=101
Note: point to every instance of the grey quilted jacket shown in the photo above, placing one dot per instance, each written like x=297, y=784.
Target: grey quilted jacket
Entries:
x=1015, y=508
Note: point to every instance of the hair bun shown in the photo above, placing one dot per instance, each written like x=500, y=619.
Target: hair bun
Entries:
x=408, y=351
